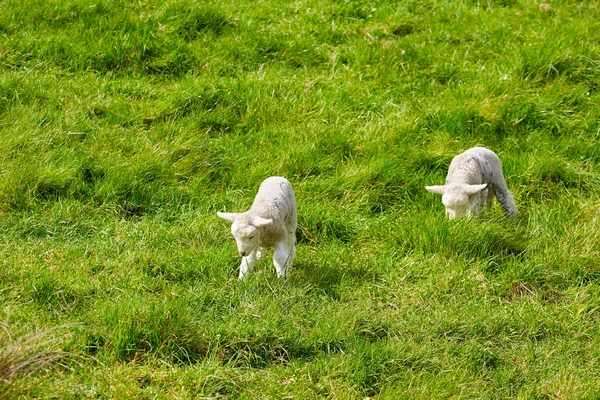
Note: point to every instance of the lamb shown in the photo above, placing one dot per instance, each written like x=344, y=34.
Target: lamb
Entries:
x=473, y=178
x=271, y=221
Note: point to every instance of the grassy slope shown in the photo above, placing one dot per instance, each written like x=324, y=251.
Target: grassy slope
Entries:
x=125, y=126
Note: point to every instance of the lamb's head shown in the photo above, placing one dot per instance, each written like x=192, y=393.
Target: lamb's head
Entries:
x=246, y=229
x=458, y=198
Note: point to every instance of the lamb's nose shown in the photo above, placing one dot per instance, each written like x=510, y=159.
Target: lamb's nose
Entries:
x=243, y=253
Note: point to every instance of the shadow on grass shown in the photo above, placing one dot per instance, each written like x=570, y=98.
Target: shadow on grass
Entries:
x=259, y=350
x=495, y=241
x=317, y=227
x=327, y=279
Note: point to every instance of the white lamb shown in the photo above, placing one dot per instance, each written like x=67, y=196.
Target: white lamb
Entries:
x=270, y=222
x=473, y=178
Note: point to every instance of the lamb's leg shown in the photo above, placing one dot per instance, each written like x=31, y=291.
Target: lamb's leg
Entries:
x=292, y=244
x=247, y=264
x=470, y=212
x=483, y=201
x=474, y=204
x=490, y=198
x=260, y=252
x=505, y=198
x=283, y=257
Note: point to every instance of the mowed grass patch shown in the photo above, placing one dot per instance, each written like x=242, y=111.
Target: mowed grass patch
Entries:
x=127, y=126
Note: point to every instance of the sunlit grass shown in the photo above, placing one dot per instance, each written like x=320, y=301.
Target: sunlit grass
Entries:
x=126, y=126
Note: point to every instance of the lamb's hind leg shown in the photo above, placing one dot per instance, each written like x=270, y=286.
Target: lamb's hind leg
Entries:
x=283, y=257
x=505, y=198
x=292, y=244
x=490, y=198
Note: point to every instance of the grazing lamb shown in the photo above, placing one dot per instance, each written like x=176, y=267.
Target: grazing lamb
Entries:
x=473, y=177
x=270, y=222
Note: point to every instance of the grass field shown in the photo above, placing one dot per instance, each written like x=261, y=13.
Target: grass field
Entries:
x=125, y=126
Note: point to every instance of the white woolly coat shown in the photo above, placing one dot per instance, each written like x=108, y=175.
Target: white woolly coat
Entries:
x=275, y=200
x=480, y=165
x=473, y=167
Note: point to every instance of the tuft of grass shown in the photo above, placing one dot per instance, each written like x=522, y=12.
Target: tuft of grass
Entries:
x=29, y=352
x=126, y=125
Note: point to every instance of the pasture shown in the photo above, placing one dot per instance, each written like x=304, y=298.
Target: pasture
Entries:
x=126, y=125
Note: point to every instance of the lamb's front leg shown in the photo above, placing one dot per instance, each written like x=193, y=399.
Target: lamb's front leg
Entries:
x=483, y=200
x=283, y=257
x=490, y=198
x=475, y=202
x=260, y=252
x=247, y=264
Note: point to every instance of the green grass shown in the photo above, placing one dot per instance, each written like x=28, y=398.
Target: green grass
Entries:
x=125, y=126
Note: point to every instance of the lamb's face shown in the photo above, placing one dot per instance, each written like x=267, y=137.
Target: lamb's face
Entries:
x=456, y=202
x=246, y=236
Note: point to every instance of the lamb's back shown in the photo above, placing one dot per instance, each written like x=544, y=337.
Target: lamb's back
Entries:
x=474, y=166
x=275, y=199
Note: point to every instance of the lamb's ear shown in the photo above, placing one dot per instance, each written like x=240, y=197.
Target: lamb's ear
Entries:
x=227, y=216
x=472, y=189
x=436, y=189
x=260, y=221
